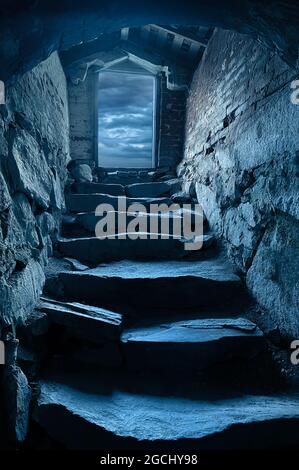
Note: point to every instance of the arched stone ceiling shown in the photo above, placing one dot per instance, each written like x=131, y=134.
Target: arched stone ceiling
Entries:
x=149, y=48
x=30, y=30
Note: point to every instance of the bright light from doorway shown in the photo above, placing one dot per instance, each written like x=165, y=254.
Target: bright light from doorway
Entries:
x=125, y=120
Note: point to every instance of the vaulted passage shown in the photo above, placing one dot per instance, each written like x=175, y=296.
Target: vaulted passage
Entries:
x=149, y=227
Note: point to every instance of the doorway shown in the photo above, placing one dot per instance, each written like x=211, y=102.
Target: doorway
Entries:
x=126, y=120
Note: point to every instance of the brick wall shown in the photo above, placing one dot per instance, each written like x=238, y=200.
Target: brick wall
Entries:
x=242, y=153
x=82, y=119
x=171, y=125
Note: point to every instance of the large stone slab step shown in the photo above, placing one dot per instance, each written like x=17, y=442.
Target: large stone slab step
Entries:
x=94, y=413
x=125, y=176
x=156, y=189
x=83, y=321
x=101, y=188
x=145, y=286
x=88, y=220
x=89, y=202
x=152, y=246
x=191, y=345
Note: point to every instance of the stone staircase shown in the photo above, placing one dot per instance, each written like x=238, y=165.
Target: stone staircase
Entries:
x=150, y=344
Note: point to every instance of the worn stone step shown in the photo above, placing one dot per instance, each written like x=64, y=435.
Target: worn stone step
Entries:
x=94, y=250
x=155, y=189
x=89, y=202
x=101, y=188
x=144, y=286
x=125, y=177
x=83, y=321
x=94, y=413
x=73, y=231
x=87, y=355
x=88, y=220
x=81, y=336
x=182, y=221
x=191, y=345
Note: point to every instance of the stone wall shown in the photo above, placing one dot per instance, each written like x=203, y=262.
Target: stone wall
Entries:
x=33, y=157
x=242, y=152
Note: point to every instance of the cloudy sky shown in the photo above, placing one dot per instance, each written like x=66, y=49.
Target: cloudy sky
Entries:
x=125, y=119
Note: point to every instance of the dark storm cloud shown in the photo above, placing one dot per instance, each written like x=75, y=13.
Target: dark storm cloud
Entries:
x=125, y=120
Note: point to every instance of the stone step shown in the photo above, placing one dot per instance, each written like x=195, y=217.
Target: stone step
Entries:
x=83, y=321
x=191, y=345
x=81, y=224
x=94, y=250
x=134, y=175
x=94, y=413
x=89, y=202
x=74, y=231
x=99, y=188
x=88, y=220
x=156, y=189
x=125, y=177
x=142, y=287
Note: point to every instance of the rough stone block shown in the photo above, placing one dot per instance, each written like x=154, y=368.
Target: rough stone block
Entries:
x=29, y=169
x=19, y=295
x=273, y=275
x=82, y=173
x=17, y=396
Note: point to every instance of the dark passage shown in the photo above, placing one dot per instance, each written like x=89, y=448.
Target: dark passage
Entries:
x=149, y=227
